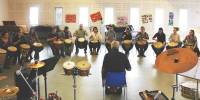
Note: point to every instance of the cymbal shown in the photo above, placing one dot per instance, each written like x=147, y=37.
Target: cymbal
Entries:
x=9, y=91
x=3, y=77
x=36, y=65
x=176, y=60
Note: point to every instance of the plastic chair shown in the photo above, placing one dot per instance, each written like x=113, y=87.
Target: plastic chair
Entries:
x=116, y=79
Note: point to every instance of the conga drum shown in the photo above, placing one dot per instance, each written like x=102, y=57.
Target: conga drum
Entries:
x=127, y=43
x=94, y=45
x=172, y=44
x=188, y=45
x=158, y=45
x=83, y=68
x=81, y=42
x=68, y=67
x=68, y=42
x=188, y=89
x=37, y=46
x=58, y=43
x=25, y=49
x=2, y=56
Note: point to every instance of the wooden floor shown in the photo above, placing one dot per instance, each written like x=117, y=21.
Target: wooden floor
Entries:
x=142, y=77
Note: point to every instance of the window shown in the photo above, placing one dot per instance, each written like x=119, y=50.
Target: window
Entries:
x=59, y=15
x=183, y=19
x=83, y=16
x=109, y=16
x=134, y=18
x=34, y=16
x=159, y=19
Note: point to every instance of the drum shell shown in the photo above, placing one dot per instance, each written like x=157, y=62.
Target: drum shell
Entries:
x=37, y=48
x=83, y=72
x=68, y=71
x=188, y=92
x=81, y=44
x=2, y=58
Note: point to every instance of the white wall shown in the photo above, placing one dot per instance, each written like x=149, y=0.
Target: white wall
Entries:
x=3, y=10
x=19, y=10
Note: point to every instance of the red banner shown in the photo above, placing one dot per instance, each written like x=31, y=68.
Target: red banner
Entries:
x=96, y=16
x=70, y=18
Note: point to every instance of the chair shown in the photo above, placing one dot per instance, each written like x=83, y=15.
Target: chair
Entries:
x=116, y=79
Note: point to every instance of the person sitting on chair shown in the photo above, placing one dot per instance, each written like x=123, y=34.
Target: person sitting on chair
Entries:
x=161, y=38
x=127, y=44
x=95, y=41
x=141, y=42
x=174, y=38
x=66, y=34
x=81, y=41
x=114, y=61
x=190, y=41
x=110, y=36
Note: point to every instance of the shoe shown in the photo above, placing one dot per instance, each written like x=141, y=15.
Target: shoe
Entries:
x=138, y=55
x=143, y=55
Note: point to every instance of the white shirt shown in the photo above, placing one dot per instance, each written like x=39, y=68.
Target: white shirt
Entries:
x=95, y=37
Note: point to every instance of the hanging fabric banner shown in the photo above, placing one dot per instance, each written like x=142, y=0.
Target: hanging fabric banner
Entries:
x=70, y=18
x=171, y=19
x=146, y=18
x=96, y=17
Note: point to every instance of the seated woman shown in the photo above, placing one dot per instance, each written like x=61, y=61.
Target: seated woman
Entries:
x=95, y=41
x=5, y=42
x=127, y=44
x=67, y=37
x=160, y=38
x=174, y=39
x=190, y=41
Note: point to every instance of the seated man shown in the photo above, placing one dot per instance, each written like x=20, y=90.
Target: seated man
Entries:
x=114, y=61
x=95, y=41
x=81, y=41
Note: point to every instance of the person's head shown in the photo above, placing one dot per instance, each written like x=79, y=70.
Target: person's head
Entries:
x=95, y=29
x=110, y=27
x=56, y=29
x=191, y=32
x=127, y=30
x=21, y=31
x=160, y=30
x=5, y=34
x=142, y=29
x=115, y=45
x=175, y=29
x=66, y=29
x=81, y=26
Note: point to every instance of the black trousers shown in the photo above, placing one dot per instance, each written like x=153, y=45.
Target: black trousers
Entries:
x=68, y=48
x=108, y=46
x=157, y=50
x=57, y=50
x=94, y=46
x=141, y=48
x=127, y=48
x=80, y=45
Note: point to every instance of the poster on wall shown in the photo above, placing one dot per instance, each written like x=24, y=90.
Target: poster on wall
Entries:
x=122, y=21
x=146, y=18
x=70, y=18
x=96, y=16
x=171, y=19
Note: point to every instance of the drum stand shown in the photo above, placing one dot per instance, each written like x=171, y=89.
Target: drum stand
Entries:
x=75, y=73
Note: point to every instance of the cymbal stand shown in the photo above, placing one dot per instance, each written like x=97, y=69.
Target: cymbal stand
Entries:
x=75, y=73
x=175, y=87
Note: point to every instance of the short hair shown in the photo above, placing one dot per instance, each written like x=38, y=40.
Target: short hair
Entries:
x=176, y=28
x=115, y=44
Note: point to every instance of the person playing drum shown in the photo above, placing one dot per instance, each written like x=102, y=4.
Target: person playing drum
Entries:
x=52, y=37
x=160, y=37
x=80, y=41
x=174, y=38
x=66, y=34
x=127, y=37
x=191, y=42
x=141, y=42
x=114, y=61
x=33, y=38
x=95, y=41
x=110, y=36
x=5, y=42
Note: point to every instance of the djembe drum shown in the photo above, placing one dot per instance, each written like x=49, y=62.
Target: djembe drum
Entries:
x=81, y=42
x=158, y=45
x=83, y=68
x=68, y=67
x=2, y=56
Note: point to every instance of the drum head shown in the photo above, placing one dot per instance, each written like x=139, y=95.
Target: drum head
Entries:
x=94, y=41
x=12, y=49
x=68, y=65
x=81, y=39
x=2, y=51
x=57, y=42
x=25, y=46
x=68, y=41
x=83, y=65
x=127, y=41
x=158, y=44
x=189, y=84
x=37, y=44
x=9, y=91
x=173, y=44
